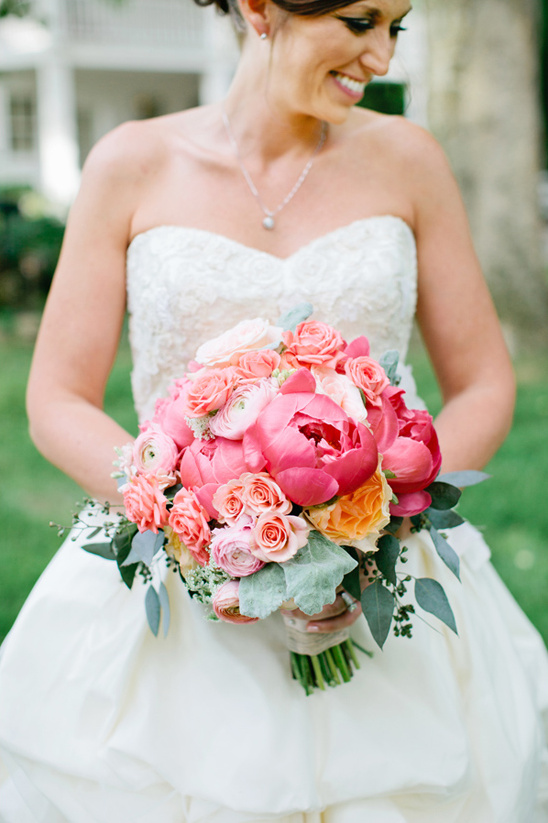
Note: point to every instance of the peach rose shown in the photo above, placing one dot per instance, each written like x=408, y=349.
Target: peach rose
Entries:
x=358, y=515
x=226, y=604
x=369, y=376
x=188, y=519
x=342, y=390
x=248, y=335
x=260, y=494
x=209, y=391
x=313, y=343
x=279, y=536
x=259, y=363
x=145, y=503
x=228, y=500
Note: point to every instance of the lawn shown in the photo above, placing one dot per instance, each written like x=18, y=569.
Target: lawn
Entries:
x=510, y=509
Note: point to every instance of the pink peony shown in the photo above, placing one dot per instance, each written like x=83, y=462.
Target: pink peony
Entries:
x=170, y=412
x=207, y=464
x=155, y=452
x=260, y=493
x=313, y=343
x=226, y=604
x=231, y=550
x=209, y=391
x=369, y=376
x=188, y=519
x=259, y=363
x=341, y=390
x=145, y=503
x=278, y=537
x=249, y=335
x=242, y=409
x=311, y=447
x=229, y=503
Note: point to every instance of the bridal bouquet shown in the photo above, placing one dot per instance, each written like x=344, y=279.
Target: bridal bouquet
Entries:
x=277, y=473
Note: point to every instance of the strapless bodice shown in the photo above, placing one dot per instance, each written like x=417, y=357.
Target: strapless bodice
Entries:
x=186, y=285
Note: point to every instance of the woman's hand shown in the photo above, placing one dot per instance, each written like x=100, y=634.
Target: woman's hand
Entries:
x=342, y=613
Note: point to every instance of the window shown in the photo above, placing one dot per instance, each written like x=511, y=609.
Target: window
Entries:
x=23, y=118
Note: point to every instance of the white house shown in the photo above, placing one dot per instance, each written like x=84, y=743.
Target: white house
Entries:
x=75, y=69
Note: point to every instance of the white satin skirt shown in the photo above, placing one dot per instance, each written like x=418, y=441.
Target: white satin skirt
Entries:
x=100, y=722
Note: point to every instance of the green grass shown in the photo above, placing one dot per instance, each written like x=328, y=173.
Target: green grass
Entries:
x=510, y=508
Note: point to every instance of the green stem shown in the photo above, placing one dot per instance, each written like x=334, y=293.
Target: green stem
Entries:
x=349, y=648
x=326, y=670
x=305, y=671
x=331, y=664
x=341, y=663
x=318, y=672
x=361, y=648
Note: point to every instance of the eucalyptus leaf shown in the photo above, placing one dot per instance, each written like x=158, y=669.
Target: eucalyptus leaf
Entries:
x=122, y=546
x=446, y=552
x=444, y=496
x=389, y=362
x=298, y=314
x=387, y=556
x=351, y=581
x=164, y=605
x=262, y=593
x=394, y=525
x=100, y=549
x=153, y=610
x=431, y=597
x=447, y=519
x=378, y=607
x=94, y=532
x=464, y=478
x=143, y=547
x=313, y=574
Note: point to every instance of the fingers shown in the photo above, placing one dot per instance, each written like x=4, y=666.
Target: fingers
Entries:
x=334, y=624
x=331, y=610
x=333, y=617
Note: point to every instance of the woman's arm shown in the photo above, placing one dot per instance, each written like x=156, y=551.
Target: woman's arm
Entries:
x=83, y=318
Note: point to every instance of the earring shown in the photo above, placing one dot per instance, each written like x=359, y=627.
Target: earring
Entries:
x=264, y=35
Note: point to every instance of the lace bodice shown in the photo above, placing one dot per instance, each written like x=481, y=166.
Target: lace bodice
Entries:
x=186, y=285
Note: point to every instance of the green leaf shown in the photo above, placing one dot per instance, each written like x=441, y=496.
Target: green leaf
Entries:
x=389, y=362
x=143, y=547
x=100, y=549
x=153, y=610
x=447, y=554
x=263, y=592
x=313, y=574
x=351, y=581
x=394, y=525
x=432, y=598
x=387, y=556
x=378, y=607
x=444, y=496
x=122, y=544
x=298, y=314
x=447, y=519
x=164, y=605
x=464, y=478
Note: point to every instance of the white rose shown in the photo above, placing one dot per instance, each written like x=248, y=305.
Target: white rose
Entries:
x=246, y=336
x=341, y=390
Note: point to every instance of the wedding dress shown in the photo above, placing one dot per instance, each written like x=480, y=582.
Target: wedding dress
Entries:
x=100, y=722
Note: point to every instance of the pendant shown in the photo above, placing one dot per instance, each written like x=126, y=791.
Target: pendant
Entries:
x=268, y=222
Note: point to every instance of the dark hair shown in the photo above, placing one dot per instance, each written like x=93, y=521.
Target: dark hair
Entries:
x=305, y=8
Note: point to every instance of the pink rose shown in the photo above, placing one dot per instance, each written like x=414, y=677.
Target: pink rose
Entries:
x=228, y=501
x=313, y=343
x=170, y=413
x=242, y=409
x=145, y=503
x=341, y=390
x=155, y=452
x=209, y=391
x=260, y=493
x=369, y=376
x=249, y=335
x=259, y=363
x=279, y=536
x=231, y=551
x=226, y=604
x=188, y=519
x=310, y=446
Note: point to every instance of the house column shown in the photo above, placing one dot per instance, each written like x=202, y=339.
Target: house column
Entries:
x=222, y=50
x=57, y=131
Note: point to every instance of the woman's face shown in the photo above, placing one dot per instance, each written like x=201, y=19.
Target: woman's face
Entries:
x=320, y=66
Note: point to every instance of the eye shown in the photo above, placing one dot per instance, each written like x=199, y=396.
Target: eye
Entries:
x=396, y=28
x=357, y=25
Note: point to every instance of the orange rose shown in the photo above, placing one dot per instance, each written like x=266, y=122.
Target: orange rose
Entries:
x=363, y=513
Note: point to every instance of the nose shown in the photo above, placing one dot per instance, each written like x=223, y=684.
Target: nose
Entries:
x=378, y=54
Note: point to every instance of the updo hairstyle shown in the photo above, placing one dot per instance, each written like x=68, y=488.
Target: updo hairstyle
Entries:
x=305, y=8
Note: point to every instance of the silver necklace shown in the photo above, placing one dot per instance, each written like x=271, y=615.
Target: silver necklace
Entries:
x=269, y=215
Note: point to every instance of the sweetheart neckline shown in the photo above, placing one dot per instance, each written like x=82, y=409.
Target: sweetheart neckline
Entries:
x=306, y=246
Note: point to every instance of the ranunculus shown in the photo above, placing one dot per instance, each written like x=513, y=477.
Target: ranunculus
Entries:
x=231, y=550
x=259, y=363
x=354, y=516
x=242, y=409
x=226, y=604
x=229, y=503
x=155, y=452
x=279, y=536
x=342, y=390
x=145, y=503
x=189, y=521
x=311, y=447
x=260, y=494
x=248, y=335
x=313, y=343
x=170, y=413
x=210, y=391
x=369, y=376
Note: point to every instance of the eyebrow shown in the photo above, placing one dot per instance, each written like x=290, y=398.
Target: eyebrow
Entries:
x=377, y=13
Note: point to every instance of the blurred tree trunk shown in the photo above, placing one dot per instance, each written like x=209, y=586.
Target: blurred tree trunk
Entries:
x=485, y=110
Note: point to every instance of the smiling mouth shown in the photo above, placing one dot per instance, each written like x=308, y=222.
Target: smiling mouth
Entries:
x=355, y=87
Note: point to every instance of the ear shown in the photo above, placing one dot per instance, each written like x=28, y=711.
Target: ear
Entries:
x=258, y=14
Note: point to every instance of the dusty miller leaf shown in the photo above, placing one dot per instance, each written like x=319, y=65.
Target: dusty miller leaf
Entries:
x=389, y=362
x=298, y=314
x=263, y=592
x=378, y=607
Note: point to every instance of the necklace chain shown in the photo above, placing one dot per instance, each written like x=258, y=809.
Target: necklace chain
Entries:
x=268, y=221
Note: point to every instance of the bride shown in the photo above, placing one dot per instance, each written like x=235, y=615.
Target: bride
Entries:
x=283, y=192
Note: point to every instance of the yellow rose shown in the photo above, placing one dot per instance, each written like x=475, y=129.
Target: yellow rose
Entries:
x=176, y=549
x=358, y=515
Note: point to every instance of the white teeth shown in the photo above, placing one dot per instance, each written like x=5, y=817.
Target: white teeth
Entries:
x=352, y=85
